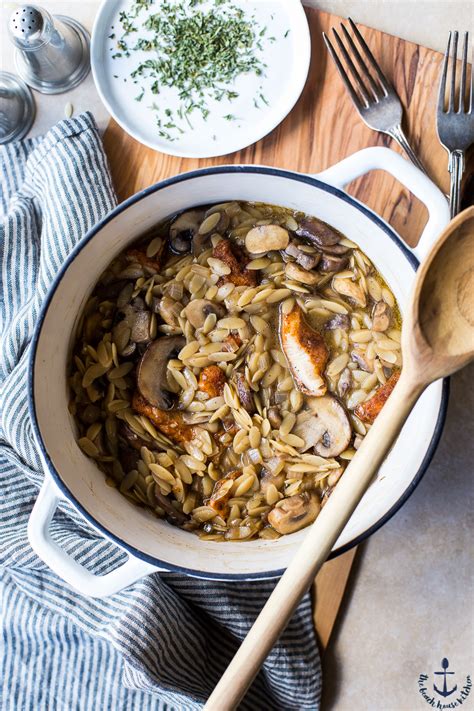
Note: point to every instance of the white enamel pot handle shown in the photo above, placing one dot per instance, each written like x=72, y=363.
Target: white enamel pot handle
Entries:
x=418, y=183
x=72, y=572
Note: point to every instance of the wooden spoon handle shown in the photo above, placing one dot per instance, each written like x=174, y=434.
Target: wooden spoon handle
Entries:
x=315, y=548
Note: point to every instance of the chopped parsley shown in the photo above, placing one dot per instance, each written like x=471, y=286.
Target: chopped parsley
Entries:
x=197, y=51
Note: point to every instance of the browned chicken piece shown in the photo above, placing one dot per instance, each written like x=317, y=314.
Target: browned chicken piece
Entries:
x=368, y=411
x=305, y=351
x=233, y=257
x=212, y=380
x=221, y=493
x=169, y=422
x=139, y=256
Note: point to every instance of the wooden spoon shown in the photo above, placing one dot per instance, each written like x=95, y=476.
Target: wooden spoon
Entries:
x=437, y=340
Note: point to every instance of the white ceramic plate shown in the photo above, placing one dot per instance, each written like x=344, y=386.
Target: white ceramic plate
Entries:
x=287, y=58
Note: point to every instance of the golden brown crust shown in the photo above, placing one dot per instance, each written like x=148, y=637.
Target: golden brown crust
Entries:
x=221, y=493
x=236, y=261
x=212, y=380
x=170, y=423
x=368, y=411
x=294, y=328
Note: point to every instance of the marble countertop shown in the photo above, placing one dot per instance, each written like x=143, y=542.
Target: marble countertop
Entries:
x=410, y=600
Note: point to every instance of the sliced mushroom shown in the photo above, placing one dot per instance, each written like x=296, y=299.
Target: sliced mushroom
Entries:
x=215, y=222
x=341, y=321
x=169, y=310
x=135, y=319
x=152, y=370
x=318, y=232
x=362, y=361
x=244, y=392
x=141, y=327
x=183, y=230
x=293, y=513
x=351, y=289
x=305, y=351
x=265, y=238
x=344, y=383
x=324, y=425
x=381, y=316
x=129, y=349
x=305, y=260
x=274, y=417
x=293, y=271
x=199, y=309
x=336, y=249
x=330, y=263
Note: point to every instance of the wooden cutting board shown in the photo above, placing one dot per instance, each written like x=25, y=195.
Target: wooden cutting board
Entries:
x=322, y=129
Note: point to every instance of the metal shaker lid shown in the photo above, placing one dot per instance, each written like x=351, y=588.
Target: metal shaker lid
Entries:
x=30, y=27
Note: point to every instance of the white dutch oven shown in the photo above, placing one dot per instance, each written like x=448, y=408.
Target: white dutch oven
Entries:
x=154, y=545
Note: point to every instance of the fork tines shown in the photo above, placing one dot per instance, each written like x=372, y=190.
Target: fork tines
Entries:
x=364, y=90
x=454, y=38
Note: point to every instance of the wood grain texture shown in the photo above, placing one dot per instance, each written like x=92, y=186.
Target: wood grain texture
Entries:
x=322, y=129
x=328, y=591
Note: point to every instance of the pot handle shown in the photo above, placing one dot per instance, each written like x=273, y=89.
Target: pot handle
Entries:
x=378, y=158
x=66, y=567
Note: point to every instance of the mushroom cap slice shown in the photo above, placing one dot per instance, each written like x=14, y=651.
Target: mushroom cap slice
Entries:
x=244, y=392
x=266, y=238
x=381, y=317
x=294, y=513
x=293, y=271
x=318, y=232
x=305, y=351
x=351, y=289
x=151, y=378
x=305, y=260
x=183, y=231
x=199, y=309
x=330, y=263
x=324, y=425
x=169, y=310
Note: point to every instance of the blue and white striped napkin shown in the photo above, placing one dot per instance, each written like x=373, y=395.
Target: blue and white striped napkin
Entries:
x=163, y=642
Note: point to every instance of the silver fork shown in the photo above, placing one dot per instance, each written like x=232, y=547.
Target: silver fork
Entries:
x=376, y=101
x=456, y=128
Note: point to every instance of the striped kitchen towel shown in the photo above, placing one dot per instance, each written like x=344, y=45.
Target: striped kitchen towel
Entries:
x=163, y=642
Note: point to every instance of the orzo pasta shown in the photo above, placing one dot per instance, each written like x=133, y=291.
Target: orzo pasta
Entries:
x=227, y=366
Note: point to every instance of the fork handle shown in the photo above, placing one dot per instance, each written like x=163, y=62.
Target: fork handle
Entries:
x=398, y=134
x=456, y=169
